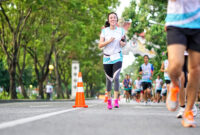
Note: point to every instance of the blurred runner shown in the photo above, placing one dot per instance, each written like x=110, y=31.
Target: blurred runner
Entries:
x=158, y=88
x=146, y=70
x=126, y=83
x=137, y=89
x=183, y=32
x=164, y=92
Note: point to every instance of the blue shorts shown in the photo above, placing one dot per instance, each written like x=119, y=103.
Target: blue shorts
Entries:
x=137, y=90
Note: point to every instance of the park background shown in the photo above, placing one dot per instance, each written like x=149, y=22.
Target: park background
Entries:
x=40, y=38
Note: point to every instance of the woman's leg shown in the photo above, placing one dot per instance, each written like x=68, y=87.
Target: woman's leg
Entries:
x=108, y=68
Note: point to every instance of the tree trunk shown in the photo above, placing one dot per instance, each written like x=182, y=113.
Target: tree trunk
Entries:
x=12, y=73
x=22, y=87
x=91, y=91
x=20, y=73
x=87, y=91
x=41, y=90
x=67, y=92
x=12, y=88
x=58, y=79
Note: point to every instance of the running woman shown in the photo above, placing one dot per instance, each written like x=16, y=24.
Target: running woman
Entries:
x=112, y=39
x=159, y=82
x=137, y=88
x=146, y=70
x=183, y=32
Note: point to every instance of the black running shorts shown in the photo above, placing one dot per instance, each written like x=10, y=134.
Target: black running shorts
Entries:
x=185, y=36
x=167, y=81
x=146, y=85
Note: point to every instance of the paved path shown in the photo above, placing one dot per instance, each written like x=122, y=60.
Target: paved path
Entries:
x=59, y=118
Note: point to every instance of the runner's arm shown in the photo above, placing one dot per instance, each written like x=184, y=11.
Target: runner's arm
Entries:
x=123, y=82
x=140, y=70
x=162, y=67
x=152, y=69
x=103, y=43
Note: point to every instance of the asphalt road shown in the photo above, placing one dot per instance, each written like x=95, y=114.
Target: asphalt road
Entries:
x=59, y=118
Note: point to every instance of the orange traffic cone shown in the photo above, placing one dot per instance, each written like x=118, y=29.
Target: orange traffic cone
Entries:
x=80, y=98
x=106, y=97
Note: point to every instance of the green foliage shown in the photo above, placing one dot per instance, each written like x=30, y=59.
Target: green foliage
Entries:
x=4, y=76
x=33, y=96
x=20, y=96
x=4, y=95
x=149, y=16
x=70, y=26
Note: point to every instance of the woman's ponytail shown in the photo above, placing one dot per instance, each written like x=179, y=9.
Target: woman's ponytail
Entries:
x=107, y=24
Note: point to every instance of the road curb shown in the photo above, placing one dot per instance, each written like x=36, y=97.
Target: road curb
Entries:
x=39, y=100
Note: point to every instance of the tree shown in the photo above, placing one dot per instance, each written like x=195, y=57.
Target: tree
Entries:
x=13, y=18
x=82, y=45
x=45, y=28
x=149, y=16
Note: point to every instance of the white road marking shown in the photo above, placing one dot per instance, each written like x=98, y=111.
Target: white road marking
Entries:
x=144, y=107
x=34, y=118
x=38, y=106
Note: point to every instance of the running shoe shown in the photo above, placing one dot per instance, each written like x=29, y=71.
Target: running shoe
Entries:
x=109, y=106
x=145, y=103
x=194, y=110
x=137, y=100
x=180, y=112
x=172, y=98
x=188, y=119
x=116, y=105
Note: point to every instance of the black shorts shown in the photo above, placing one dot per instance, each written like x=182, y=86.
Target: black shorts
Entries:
x=158, y=91
x=167, y=81
x=129, y=91
x=164, y=94
x=146, y=85
x=185, y=36
x=110, y=69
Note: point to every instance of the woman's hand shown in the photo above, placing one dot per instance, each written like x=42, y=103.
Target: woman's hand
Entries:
x=122, y=43
x=102, y=42
x=111, y=39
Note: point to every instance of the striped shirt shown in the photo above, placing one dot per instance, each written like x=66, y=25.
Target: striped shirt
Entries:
x=146, y=72
x=113, y=49
x=183, y=14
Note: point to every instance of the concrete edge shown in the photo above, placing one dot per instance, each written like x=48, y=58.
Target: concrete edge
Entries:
x=39, y=100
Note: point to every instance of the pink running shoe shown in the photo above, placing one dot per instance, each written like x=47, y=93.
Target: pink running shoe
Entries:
x=109, y=104
x=116, y=105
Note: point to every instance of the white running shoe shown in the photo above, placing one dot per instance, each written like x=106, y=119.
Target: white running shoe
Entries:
x=145, y=103
x=180, y=112
x=194, y=110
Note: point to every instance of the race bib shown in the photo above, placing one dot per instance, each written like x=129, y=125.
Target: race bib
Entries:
x=115, y=56
x=146, y=73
